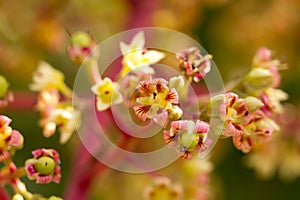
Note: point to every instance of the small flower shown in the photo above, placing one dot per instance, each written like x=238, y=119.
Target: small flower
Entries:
x=107, y=94
x=81, y=46
x=3, y=86
x=163, y=188
x=9, y=139
x=193, y=64
x=245, y=122
x=258, y=80
x=44, y=167
x=136, y=57
x=66, y=118
x=6, y=96
x=156, y=101
x=47, y=100
x=188, y=137
x=46, y=77
x=271, y=99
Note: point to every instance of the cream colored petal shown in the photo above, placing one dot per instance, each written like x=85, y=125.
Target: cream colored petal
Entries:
x=146, y=69
x=151, y=57
x=117, y=97
x=124, y=48
x=101, y=106
x=138, y=41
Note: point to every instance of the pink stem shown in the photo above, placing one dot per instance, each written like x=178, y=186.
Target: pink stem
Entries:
x=84, y=166
x=3, y=194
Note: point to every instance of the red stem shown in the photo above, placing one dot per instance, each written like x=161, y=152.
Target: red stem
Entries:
x=3, y=194
x=85, y=167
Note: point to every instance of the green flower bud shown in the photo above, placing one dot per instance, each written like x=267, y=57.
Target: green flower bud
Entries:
x=253, y=103
x=81, y=39
x=257, y=80
x=3, y=86
x=45, y=165
x=17, y=197
x=189, y=140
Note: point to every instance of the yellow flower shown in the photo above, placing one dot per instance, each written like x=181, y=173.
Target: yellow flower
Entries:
x=107, y=93
x=135, y=57
x=66, y=118
x=46, y=77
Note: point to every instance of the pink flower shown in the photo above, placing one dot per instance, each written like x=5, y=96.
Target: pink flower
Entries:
x=156, y=101
x=188, y=137
x=193, y=64
x=44, y=167
x=9, y=139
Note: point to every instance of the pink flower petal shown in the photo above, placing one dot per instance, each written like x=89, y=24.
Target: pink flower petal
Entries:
x=141, y=111
x=161, y=118
x=30, y=169
x=16, y=139
x=42, y=179
x=172, y=96
x=4, y=155
x=201, y=127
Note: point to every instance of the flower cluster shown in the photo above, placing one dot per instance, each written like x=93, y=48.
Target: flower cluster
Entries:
x=263, y=80
x=54, y=102
x=244, y=121
x=10, y=140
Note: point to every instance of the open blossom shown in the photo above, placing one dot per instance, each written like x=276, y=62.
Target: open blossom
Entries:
x=44, y=167
x=163, y=188
x=156, y=101
x=272, y=101
x=135, y=57
x=188, y=137
x=245, y=122
x=264, y=73
x=46, y=77
x=57, y=114
x=66, y=118
x=107, y=94
x=193, y=64
x=9, y=138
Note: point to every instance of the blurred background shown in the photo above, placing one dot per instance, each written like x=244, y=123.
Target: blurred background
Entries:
x=230, y=30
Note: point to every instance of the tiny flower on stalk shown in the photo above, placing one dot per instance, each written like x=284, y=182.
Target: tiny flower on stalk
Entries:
x=188, y=137
x=46, y=77
x=107, y=94
x=163, y=188
x=136, y=57
x=66, y=118
x=44, y=167
x=6, y=96
x=156, y=101
x=193, y=64
x=81, y=45
x=272, y=101
x=9, y=139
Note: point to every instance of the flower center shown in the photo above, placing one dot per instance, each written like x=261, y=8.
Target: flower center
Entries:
x=45, y=165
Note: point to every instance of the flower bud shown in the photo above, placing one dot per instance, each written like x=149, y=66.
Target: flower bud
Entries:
x=3, y=86
x=253, y=103
x=257, y=80
x=81, y=46
x=17, y=197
